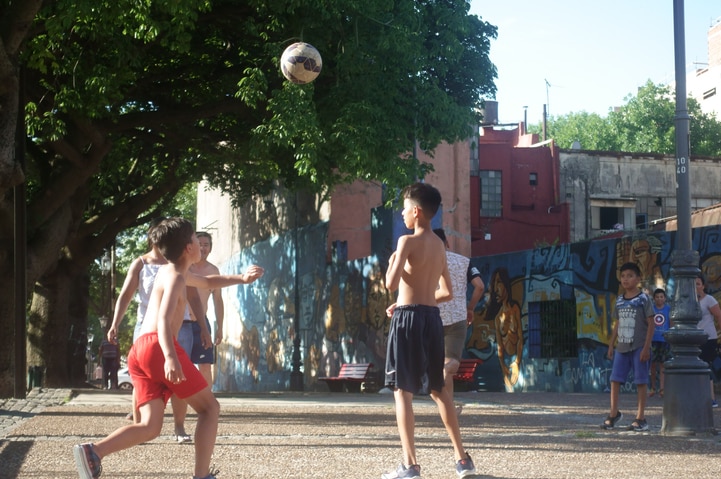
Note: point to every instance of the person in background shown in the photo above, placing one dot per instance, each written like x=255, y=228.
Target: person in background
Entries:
x=204, y=358
x=457, y=313
x=110, y=356
x=710, y=321
x=660, y=349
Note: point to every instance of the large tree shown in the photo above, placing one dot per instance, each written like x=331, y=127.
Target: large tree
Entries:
x=127, y=101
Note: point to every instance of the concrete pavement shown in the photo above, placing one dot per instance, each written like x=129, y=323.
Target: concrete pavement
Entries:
x=321, y=435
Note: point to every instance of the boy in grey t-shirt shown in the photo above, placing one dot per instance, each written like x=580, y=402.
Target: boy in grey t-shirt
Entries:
x=633, y=328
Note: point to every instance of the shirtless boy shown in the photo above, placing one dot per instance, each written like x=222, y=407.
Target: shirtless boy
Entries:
x=418, y=270
x=205, y=357
x=157, y=363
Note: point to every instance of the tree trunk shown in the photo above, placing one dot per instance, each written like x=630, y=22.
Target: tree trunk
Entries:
x=57, y=340
x=7, y=341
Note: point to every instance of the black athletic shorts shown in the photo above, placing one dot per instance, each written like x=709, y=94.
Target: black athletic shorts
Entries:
x=200, y=355
x=415, y=348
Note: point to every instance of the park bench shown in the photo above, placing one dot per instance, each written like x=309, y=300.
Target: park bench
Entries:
x=350, y=378
x=466, y=374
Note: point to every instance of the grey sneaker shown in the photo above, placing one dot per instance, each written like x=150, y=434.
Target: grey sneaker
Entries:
x=638, y=425
x=87, y=462
x=404, y=472
x=212, y=473
x=465, y=467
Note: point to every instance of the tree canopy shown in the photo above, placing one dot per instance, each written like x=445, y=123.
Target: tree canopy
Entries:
x=125, y=102
x=645, y=124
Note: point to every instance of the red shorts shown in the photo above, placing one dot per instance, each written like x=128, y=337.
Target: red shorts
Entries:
x=146, y=364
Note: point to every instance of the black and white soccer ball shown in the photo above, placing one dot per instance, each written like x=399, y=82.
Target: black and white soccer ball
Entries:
x=301, y=63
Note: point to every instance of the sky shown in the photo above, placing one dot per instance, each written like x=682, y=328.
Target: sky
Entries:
x=586, y=55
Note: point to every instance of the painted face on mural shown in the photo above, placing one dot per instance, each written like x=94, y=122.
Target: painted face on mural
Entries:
x=642, y=256
x=711, y=269
x=499, y=289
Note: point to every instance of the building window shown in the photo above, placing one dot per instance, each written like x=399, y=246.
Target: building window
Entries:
x=533, y=179
x=490, y=193
x=552, y=329
x=641, y=221
x=709, y=93
x=610, y=218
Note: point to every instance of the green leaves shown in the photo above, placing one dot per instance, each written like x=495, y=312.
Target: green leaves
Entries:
x=137, y=98
x=646, y=124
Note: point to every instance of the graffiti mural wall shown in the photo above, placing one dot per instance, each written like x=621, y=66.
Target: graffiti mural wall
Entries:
x=544, y=323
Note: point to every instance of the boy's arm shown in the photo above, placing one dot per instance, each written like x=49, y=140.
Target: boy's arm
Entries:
x=478, y=289
x=646, y=351
x=715, y=311
x=130, y=285
x=395, y=265
x=219, y=309
x=612, y=340
x=215, y=281
x=445, y=288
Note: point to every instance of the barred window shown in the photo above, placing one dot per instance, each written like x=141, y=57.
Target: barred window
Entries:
x=552, y=331
x=491, y=193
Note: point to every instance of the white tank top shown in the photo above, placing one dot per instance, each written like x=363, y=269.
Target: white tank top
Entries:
x=145, y=287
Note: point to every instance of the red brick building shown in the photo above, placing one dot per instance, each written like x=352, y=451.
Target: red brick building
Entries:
x=514, y=194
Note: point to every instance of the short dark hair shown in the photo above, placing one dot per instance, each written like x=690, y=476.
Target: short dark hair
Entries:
x=204, y=234
x=425, y=195
x=631, y=266
x=171, y=236
x=153, y=223
x=440, y=233
x=659, y=290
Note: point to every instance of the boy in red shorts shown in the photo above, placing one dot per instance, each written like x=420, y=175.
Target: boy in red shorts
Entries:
x=158, y=365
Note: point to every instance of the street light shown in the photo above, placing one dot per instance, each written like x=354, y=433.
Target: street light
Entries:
x=89, y=356
x=107, y=268
x=687, y=402
x=105, y=263
x=296, y=376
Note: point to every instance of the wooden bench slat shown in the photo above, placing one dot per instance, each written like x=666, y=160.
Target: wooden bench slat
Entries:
x=350, y=377
x=467, y=370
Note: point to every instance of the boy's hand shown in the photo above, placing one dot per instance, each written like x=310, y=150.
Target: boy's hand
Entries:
x=253, y=273
x=173, y=371
x=389, y=310
x=645, y=354
x=205, y=339
x=609, y=354
x=113, y=335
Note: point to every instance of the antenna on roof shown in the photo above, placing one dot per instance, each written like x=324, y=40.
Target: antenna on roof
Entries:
x=548, y=103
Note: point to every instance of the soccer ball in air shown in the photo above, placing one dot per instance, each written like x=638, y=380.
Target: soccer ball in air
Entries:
x=301, y=63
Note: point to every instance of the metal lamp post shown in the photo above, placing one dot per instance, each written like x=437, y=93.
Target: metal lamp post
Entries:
x=296, y=376
x=687, y=402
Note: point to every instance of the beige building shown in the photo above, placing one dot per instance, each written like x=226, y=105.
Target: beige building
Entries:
x=610, y=191
x=704, y=84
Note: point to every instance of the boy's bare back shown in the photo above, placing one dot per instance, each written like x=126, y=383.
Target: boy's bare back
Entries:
x=418, y=268
x=423, y=261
